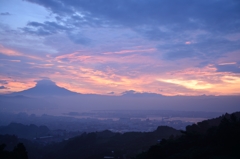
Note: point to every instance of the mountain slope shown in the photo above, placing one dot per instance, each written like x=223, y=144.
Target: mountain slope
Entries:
x=46, y=88
x=217, y=142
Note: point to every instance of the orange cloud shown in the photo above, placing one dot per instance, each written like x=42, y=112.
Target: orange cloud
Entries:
x=207, y=79
x=190, y=84
x=85, y=74
x=11, y=52
x=190, y=81
x=17, y=84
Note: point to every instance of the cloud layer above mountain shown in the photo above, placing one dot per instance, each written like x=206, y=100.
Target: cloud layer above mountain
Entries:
x=186, y=47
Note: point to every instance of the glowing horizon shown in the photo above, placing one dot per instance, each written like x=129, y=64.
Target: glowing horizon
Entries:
x=101, y=51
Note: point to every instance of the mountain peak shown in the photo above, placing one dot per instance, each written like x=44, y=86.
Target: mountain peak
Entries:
x=45, y=82
x=46, y=88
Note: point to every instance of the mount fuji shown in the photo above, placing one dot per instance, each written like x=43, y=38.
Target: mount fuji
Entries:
x=46, y=88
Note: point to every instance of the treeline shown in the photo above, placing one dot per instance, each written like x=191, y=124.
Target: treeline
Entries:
x=24, y=131
x=19, y=152
x=94, y=145
x=202, y=141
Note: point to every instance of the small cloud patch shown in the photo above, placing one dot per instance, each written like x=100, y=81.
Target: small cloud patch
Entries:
x=3, y=87
x=5, y=13
x=228, y=67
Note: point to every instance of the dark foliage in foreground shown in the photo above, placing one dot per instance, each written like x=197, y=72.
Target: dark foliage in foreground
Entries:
x=106, y=143
x=217, y=142
x=93, y=145
x=19, y=152
x=24, y=131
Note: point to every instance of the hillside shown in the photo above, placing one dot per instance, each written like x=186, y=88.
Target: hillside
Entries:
x=95, y=145
x=203, y=126
x=215, y=142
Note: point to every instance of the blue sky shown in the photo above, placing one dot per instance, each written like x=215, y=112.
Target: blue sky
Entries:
x=186, y=47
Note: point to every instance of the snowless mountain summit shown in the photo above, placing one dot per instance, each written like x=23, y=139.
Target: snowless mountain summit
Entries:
x=46, y=88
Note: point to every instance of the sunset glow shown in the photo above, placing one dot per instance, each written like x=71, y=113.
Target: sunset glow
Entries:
x=116, y=50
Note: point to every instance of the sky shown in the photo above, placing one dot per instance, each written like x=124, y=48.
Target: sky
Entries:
x=187, y=47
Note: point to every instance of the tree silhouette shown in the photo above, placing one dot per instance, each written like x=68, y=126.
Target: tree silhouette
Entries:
x=19, y=152
x=220, y=141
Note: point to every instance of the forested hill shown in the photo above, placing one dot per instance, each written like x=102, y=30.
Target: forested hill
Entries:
x=95, y=145
x=99, y=144
x=203, y=126
x=202, y=141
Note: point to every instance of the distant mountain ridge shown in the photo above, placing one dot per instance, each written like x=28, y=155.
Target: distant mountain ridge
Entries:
x=49, y=88
x=24, y=131
x=132, y=93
